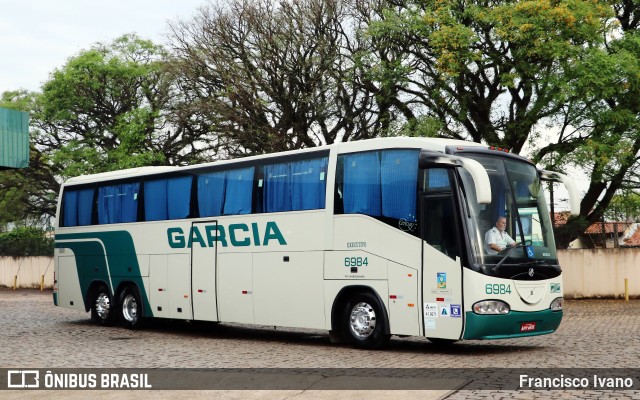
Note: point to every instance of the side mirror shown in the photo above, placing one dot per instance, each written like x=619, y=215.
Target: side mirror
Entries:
x=574, y=198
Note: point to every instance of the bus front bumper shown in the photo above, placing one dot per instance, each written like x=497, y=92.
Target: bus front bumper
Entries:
x=512, y=325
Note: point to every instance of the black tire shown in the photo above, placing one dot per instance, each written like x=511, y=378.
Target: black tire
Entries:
x=103, y=309
x=131, y=308
x=363, y=321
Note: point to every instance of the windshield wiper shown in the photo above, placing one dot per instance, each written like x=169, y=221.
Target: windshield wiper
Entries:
x=523, y=244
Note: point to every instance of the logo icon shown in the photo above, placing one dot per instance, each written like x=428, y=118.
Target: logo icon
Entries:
x=531, y=272
x=555, y=288
x=442, y=280
x=23, y=379
x=455, y=311
x=530, y=252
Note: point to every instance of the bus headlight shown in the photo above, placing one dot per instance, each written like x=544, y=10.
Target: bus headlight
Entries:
x=557, y=303
x=491, y=307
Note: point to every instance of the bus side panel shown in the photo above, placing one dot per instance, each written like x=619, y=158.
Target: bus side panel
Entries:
x=179, y=277
x=443, y=297
x=235, y=287
x=158, y=293
x=288, y=289
x=69, y=292
x=404, y=308
x=354, y=264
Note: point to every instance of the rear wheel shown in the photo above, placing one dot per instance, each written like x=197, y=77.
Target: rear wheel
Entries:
x=102, y=307
x=131, y=312
x=363, y=321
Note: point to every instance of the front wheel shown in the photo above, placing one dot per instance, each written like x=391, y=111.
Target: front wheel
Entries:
x=131, y=312
x=364, y=324
x=102, y=307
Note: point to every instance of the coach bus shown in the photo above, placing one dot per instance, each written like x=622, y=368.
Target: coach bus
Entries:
x=364, y=239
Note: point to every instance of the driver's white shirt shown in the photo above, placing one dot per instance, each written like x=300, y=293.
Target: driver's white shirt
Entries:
x=494, y=235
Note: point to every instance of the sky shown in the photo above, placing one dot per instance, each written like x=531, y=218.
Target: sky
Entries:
x=38, y=36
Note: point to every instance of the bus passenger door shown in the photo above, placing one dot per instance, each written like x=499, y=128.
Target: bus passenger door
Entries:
x=203, y=270
x=442, y=267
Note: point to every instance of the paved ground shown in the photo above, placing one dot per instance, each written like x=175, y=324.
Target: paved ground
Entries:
x=35, y=334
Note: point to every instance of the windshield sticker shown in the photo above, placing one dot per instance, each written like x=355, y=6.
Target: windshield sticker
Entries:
x=530, y=252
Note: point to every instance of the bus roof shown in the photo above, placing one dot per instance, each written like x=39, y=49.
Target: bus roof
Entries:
x=434, y=144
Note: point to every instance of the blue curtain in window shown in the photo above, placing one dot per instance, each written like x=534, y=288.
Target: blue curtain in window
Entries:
x=438, y=178
x=522, y=189
x=179, y=197
x=118, y=203
x=238, y=192
x=499, y=198
x=70, y=208
x=277, y=188
x=155, y=200
x=308, y=184
x=129, y=202
x=107, y=205
x=85, y=206
x=211, y=188
x=399, y=184
x=362, y=192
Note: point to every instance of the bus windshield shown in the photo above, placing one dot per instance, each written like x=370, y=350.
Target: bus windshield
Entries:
x=516, y=221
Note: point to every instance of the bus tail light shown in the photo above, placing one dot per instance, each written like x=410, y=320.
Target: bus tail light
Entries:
x=557, y=304
x=491, y=307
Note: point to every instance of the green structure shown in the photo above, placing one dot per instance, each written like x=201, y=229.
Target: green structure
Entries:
x=14, y=139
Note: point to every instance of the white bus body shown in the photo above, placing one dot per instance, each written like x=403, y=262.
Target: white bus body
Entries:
x=407, y=262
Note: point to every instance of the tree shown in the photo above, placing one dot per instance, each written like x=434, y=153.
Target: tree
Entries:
x=601, y=131
x=624, y=207
x=275, y=75
x=501, y=72
x=109, y=107
x=27, y=196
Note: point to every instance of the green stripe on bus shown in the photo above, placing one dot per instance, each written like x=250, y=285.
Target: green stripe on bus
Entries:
x=91, y=260
x=510, y=325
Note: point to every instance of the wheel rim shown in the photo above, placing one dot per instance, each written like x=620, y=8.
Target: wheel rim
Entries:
x=362, y=320
x=130, y=308
x=103, y=305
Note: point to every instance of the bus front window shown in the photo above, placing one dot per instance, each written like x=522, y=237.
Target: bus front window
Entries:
x=513, y=231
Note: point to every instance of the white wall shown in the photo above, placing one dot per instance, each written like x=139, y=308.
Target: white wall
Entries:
x=28, y=270
x=586, y=272
x=600, y=272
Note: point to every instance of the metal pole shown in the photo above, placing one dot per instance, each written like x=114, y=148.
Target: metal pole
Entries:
x=626, y=290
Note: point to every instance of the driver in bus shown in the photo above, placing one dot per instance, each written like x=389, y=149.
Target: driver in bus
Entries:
x=496, y=239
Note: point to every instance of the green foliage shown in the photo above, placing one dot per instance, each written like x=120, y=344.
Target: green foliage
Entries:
x=624, y=207
x=103, y=109
x=25, y=241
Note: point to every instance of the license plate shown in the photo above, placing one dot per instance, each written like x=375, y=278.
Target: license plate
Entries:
x=528, y=327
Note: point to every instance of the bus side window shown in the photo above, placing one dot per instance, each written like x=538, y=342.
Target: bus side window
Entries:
x=295, y=186
x=439, y=228
x=167, y=198
x=118, y=203
x=77, y=209
x=380, y=184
